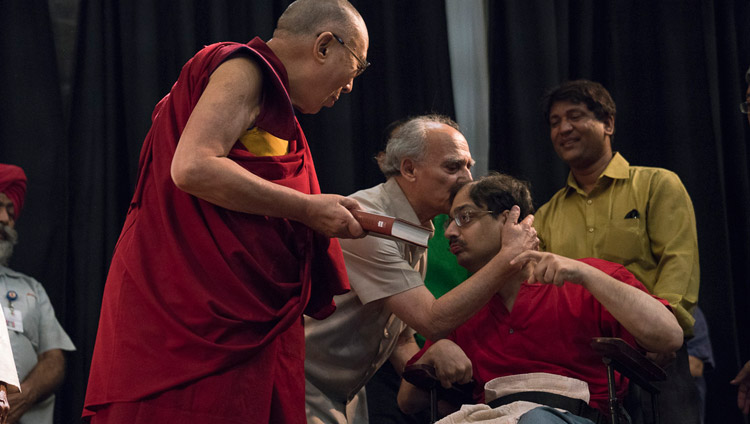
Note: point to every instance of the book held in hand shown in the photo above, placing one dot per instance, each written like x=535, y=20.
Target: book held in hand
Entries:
x=392, y=228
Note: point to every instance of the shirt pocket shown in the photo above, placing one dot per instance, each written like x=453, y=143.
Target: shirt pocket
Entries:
x=625, y=241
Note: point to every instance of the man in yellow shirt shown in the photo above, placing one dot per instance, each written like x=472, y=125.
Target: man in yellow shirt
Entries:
x=639, y=217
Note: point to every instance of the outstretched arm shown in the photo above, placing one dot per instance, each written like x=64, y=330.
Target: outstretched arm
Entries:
x=451, y=366
x=228, y=106
x=650, y=322
x=743, y=391
x=436, y=318
x=41, y=382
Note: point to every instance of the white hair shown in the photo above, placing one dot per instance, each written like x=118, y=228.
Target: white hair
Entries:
x=408, y=141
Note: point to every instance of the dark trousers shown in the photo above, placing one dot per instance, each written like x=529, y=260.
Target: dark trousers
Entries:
x=678, y=400
x=382, y=405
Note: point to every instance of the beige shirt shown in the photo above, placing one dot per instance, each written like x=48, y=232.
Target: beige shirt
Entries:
x=344, y=350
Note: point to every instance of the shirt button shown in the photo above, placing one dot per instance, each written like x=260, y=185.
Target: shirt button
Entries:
x=510, y=331
x=591, y=229
x=588, y=202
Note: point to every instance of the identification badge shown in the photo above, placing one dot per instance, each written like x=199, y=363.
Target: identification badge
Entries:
x=13, y=319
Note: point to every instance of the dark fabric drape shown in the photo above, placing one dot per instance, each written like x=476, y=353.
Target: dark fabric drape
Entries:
x=128, y=56
x=32, y=135
x=410, y=75
x=676, y=71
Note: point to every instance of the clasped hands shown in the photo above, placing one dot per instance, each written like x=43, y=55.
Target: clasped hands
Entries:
x=451, y=364
x=520, y=238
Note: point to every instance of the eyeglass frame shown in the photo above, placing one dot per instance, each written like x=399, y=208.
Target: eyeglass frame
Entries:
x=745, y=107
x=471, y=215
x=362, y=65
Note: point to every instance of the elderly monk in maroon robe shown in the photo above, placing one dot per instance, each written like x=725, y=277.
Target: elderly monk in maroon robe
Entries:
x=226, y=242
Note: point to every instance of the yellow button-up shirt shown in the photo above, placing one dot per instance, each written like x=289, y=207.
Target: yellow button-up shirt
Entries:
x=636, y=216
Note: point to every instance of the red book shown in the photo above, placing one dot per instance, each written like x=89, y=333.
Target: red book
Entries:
x=392, y=228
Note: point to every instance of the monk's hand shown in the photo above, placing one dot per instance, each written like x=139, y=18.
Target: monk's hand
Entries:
x=450, y=362
x=552, y=269
x=329, y=214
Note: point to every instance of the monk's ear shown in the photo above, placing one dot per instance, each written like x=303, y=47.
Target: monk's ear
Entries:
x=322, y=46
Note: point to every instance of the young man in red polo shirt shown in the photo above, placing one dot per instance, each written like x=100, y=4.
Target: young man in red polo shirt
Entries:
x=534, y=333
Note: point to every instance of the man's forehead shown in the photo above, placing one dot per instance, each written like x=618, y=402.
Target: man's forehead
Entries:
x=462, y=201
x=4, y=198
x=567, y=105
x=464, y=206
x=445, y=150
x=458, y=158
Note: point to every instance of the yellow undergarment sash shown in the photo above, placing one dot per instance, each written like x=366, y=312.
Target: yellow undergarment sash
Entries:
x=261, y=143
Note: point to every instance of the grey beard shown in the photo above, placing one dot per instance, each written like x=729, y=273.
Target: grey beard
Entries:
x=6, y=246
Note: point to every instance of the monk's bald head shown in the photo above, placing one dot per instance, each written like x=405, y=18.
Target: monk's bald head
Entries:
x=311, y=17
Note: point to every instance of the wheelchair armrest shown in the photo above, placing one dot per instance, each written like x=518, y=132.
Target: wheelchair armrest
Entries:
x=629, y=362
x=423, y=376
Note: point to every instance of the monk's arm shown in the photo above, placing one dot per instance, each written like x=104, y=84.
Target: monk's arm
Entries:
x=229, y=106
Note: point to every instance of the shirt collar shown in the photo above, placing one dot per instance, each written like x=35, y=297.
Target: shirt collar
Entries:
x=9, y=272
x=400, y=204
x=618, y=168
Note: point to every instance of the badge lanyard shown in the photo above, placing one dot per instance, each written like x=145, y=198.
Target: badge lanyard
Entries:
x=11, y=296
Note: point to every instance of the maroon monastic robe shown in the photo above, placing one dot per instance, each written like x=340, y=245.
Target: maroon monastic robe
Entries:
x=194, y=289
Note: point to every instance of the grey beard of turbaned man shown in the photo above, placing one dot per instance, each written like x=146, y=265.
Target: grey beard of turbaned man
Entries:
x=8, y=239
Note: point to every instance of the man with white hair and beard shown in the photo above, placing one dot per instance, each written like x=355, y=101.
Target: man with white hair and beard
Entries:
x=36, y=337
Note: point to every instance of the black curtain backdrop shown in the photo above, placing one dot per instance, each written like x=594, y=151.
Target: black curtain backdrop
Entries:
x=33, y=136
x=675, y=69
x=128, y=56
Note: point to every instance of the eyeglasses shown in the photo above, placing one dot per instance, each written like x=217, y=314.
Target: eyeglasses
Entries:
x=361, y=64
x=744, y=107
x=465, y=216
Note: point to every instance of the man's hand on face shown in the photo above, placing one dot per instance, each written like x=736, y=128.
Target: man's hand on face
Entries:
x=519, y=236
